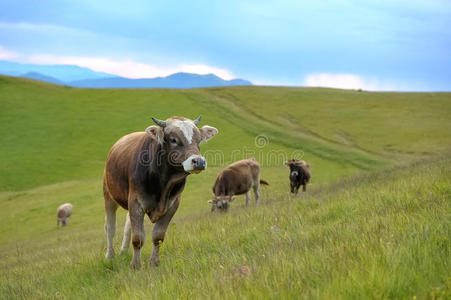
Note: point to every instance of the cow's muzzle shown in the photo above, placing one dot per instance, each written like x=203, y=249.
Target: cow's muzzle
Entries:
x=195, y=164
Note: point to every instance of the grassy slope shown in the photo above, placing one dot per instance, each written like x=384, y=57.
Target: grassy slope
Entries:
x=384, y=235
x=65, y=134
x=55, y=139
x=385, y=123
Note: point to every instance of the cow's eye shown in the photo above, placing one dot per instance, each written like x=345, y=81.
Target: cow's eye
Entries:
x=173, y=141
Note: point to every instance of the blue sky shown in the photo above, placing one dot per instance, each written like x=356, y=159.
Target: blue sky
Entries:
x=375, y=45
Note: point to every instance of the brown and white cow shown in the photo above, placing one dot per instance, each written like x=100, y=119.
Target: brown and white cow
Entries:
x=299, y=174
x=237, y=179
x=146, y=173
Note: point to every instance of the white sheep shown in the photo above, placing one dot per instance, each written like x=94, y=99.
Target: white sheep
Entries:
x=63, y=213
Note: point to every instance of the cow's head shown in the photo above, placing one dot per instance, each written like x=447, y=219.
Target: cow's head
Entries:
x=180, y=139
x=295, y=164
x=221, y=203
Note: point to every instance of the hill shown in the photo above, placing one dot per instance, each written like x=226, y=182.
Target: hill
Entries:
x=76, y=76
x=177, y=80
x=63, y=73
x=40, y=77
x=374, y=222
x=71, y=130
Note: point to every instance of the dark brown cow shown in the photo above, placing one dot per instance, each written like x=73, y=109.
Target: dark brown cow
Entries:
x=237, y=179
x=145, y=173
x=299, y=174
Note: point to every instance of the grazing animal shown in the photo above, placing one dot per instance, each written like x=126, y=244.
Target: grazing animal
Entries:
x=299, y=174
x=237, y=179
x=63, y=212
x=145, y=173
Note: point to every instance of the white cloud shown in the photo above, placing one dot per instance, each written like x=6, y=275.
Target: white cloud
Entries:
x=6, y=54
x=128, y=68
x=121, y=67
x=205, y=69
x=346, y=81
x=274, y=82
x=43, y=28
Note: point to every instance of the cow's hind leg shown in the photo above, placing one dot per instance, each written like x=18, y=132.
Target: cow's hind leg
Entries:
x=127, y=235
x=138, y=234
x=110, y=225
x=257, y=193
x=159, y=231
x=248, y=197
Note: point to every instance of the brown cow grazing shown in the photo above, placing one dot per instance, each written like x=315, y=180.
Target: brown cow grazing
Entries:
x=63, y=212
x=237, y=179
x=146, y=173
x=299, y=174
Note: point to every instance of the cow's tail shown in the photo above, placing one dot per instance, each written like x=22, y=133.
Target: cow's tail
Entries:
x=264, y=182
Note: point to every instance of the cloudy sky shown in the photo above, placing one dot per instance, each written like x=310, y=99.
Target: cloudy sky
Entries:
x=374, y=45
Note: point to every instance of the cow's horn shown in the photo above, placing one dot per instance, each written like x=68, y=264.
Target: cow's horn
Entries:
x=197, y=120
x=159, y=123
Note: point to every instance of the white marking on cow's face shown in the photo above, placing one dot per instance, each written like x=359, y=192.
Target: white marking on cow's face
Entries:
x=221, y=203
x=294, y=173
x=186, y=127
x=188, y=164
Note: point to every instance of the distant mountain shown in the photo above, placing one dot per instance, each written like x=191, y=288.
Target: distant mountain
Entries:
x=86, y=78
x=177, y=80
x=38, y=76
x=62, y=73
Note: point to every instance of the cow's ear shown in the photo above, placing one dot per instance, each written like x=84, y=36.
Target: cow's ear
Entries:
x=287, y=163
x=155, y=131
x=207, y=132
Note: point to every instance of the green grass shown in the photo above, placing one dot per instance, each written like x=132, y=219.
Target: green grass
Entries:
x=384, y=235
x=383, y=123
x=65, y=134
x=374, y=223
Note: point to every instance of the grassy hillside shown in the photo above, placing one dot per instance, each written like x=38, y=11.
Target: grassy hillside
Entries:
x=382, y=232
x=388, y=124
x=384, y=235
x=64, y=133
x=51, y=133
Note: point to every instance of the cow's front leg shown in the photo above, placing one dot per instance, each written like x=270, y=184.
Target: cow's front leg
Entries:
x=138, y=235
x=159, y=230
x=296, y=189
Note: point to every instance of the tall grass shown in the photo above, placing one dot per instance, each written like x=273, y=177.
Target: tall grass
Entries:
x=384, y=235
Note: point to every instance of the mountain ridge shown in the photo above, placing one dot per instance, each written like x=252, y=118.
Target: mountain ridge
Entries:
x=176, y=80
x=75, y=76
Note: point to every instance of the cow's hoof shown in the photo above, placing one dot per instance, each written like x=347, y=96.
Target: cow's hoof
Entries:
x=135, y=266
x=109, y=255
x=154, y=262
x=123, y=251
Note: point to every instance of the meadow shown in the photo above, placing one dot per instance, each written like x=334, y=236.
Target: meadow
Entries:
x=374, y=222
